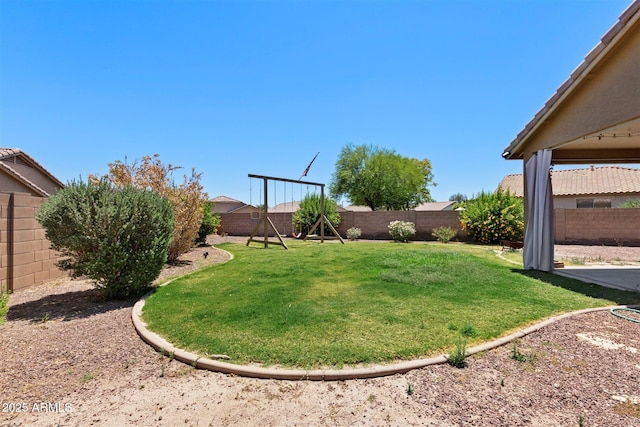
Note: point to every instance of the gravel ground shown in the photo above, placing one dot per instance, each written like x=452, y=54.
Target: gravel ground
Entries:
x=69, y=358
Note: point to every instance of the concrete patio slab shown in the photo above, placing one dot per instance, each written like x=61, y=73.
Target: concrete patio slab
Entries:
x=619, y=277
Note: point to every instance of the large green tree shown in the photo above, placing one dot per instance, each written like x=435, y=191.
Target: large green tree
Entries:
x=381, y=178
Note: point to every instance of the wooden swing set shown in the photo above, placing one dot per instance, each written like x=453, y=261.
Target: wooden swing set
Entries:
x=265, y=222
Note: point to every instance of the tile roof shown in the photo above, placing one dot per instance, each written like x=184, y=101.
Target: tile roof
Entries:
x=7, y=153
x=574, y=182
x=224, y=199
x=435, y=206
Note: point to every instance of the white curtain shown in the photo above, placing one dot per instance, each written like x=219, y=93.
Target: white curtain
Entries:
x=538, y=235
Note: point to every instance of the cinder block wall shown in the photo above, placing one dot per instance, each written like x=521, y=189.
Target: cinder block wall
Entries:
x=604, y=226
x=25, y=255
x=374, y=225
x=572, y=226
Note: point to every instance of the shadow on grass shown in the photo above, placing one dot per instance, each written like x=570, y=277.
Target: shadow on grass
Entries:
x=66, y=306
x=588, y=289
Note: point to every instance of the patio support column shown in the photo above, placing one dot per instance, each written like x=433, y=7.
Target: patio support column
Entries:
x=538, y=199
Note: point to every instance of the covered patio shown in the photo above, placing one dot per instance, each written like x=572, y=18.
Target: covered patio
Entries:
x=593, y=118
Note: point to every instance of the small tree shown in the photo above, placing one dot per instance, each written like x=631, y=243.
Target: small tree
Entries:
x=310, y=210
x=492, y=217
x=118, y=237
x=187, y=199
x=209, y=225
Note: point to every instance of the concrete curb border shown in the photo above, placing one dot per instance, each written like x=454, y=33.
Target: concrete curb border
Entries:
x=168, y=349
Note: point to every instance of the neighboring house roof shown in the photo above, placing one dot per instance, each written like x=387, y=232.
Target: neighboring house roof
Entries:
x=16, y=163
x=435, y=206
x=355, y=208
x=623, y=29
x=224, y=204
x=586, y=181
x=225, y=199
x=293, y=206
x=284, y=207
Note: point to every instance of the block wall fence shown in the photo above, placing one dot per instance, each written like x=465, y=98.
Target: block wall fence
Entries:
x=572, y=226
x=25, y=255
x=599, y=226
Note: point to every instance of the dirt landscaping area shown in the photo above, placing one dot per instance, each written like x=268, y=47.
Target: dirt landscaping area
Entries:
x=68, y=358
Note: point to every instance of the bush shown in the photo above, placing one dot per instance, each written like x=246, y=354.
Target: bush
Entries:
x=493, y=217
x=4, y=305
x=630, y=203
x=401, y=231
x=309, y=213
x=354, y=233
x=444, y=234
x=187, y=199
x=209, y=225
x=118, y=237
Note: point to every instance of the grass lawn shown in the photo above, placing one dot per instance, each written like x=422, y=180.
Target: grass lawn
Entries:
x=332, y=305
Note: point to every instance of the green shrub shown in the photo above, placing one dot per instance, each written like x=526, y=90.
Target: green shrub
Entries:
x=118, y=237
x=630, y=203
x=310, y=210
x=210, y=224
x=354, y=233
x=4, y=305
x=492, y=217
x=444, y=234
x=401, y=231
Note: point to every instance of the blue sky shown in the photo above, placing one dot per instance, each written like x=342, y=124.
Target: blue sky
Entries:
x=238, y=87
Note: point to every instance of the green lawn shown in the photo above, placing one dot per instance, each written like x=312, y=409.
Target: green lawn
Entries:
x=331, y=305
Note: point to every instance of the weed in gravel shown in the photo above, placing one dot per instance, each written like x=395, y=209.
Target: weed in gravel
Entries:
x=409, y=389
x=45, y=317
x=171, y=356
x=458, y=356
x=371, y=398
x=502, y=382
x=88, y=377
x=162, y=371
x=580, y=420
x=518, y=356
